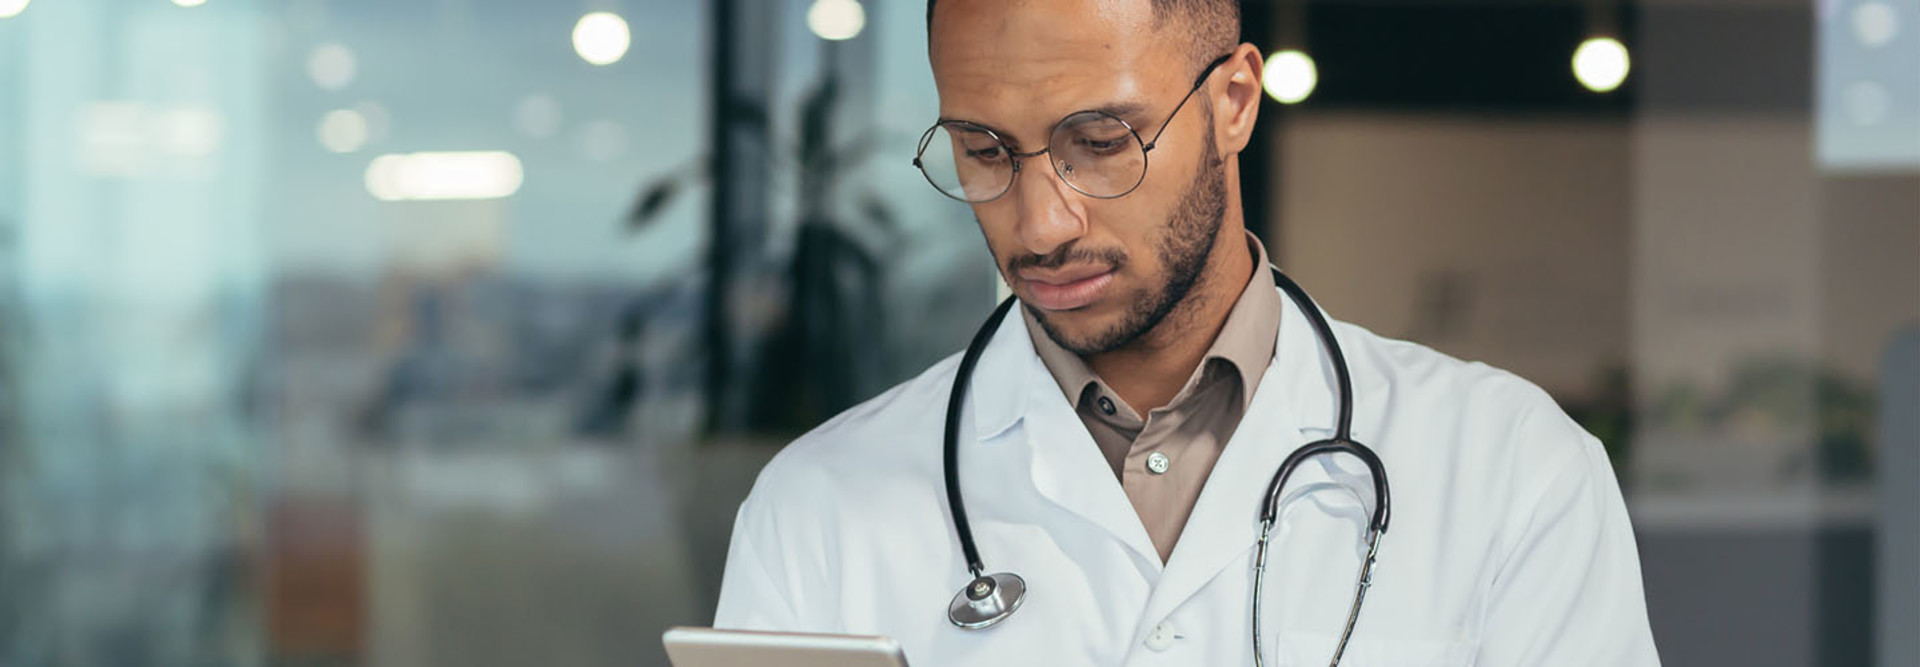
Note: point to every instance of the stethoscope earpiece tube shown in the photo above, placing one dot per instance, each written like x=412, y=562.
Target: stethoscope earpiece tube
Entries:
x=1344, y=430
x=1342, y=440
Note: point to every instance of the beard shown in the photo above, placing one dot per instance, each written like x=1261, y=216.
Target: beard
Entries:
x=1184, y=247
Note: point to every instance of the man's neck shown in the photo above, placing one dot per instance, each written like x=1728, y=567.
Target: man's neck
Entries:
x=1149, y=372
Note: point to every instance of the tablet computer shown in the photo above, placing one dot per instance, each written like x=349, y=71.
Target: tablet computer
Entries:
x=707, y=647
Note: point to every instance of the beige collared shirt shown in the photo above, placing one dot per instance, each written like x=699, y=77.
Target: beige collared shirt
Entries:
x=1163, y=460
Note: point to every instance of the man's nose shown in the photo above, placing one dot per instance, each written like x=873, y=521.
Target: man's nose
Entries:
x=1050, y=212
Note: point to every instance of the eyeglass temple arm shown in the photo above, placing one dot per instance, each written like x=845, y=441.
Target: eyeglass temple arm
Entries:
x=1197, y=82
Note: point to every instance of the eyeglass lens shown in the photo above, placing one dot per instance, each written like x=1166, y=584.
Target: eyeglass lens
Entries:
x=1094, y=152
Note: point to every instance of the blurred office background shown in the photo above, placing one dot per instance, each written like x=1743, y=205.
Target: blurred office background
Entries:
x=451, y=332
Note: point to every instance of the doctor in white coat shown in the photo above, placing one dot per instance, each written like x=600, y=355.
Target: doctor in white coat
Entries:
x=1118, y=435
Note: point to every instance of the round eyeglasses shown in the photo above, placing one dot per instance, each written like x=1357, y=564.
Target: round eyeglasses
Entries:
x=1094, y=152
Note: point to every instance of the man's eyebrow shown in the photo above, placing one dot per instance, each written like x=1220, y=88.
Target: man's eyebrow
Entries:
x=975, y=123
x=1124, y=110
x=1003, y=134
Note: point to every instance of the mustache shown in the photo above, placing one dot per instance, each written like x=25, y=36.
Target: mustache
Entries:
x=1113, y=258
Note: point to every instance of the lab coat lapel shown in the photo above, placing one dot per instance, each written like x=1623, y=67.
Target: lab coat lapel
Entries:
x=1293, y=393
x=1070, y=471
x=1019, y=404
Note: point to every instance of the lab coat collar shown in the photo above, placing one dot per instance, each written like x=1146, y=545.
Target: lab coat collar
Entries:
x=1002, y=379
x=1018, y=402
x=1069, y=470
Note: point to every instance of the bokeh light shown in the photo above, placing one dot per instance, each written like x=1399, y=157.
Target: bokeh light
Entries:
x=189, y=3
x=1601, y=64
x=343, y=131
x=836, y=20
x=444, y=176
x=331, y=66
x=601, y=38
x=1290, y=76
x=12, y=8
x=189, y=131
x=1875, y=24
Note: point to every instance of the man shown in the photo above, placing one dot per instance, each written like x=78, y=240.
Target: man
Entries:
x=1119, y=432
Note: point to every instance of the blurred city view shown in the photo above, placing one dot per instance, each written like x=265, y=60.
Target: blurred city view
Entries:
x=350, y=332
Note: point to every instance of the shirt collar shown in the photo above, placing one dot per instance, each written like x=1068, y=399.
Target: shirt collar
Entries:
x=1247, y=339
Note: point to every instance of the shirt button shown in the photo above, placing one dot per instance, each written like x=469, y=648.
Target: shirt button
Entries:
x=1157, y=463
x=1106, y=406
x=1161, y=638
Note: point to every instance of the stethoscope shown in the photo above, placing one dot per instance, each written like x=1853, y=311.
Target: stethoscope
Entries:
x=990, y=598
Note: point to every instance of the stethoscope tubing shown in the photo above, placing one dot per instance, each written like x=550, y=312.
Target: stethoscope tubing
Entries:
x=1341, y=443
x=951, y=455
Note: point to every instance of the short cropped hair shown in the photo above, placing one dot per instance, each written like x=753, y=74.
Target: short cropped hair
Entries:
x=1212, y=26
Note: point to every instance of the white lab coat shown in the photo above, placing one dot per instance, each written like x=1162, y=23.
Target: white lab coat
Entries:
x=1509, y=543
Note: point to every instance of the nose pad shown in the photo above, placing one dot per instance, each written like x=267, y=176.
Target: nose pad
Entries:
x=1052, y=177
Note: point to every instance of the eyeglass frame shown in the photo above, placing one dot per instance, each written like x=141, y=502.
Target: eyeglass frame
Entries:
x=1016, y=157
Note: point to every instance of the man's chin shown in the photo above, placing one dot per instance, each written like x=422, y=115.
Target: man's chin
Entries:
x=1081, y=331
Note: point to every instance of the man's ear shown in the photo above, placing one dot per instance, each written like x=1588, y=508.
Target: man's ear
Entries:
x=1236, y=99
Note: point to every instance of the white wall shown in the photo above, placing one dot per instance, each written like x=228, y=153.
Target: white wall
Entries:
x=1526, y=218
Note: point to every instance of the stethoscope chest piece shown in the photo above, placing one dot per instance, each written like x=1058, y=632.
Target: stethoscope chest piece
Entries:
x=988, y=599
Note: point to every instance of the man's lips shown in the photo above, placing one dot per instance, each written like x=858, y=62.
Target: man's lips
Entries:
x=1067, y=288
